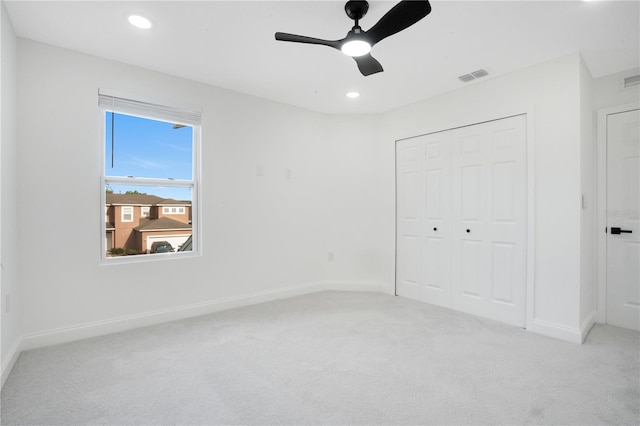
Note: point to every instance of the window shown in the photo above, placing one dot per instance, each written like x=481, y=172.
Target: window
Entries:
x=173, y=210
x=151, y=159
x=127, y=213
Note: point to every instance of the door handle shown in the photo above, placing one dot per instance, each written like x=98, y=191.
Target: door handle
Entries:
x=617, y=231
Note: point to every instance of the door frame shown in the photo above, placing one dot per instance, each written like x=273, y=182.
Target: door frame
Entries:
x=601, y=212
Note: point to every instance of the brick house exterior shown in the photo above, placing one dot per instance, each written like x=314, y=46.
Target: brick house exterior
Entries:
x=134, y=221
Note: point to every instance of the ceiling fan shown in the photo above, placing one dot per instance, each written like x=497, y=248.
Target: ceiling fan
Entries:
x=358, y=43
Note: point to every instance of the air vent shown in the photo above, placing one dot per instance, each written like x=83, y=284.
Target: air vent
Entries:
x=472, y=76
x=479, y=73
x=632, y=81
x=466, y=78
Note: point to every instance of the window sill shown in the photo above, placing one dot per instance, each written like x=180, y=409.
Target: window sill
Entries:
x=145, y=258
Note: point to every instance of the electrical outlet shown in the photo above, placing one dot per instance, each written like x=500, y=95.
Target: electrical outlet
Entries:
x=330, y=256
x=7, y=303
x=288, y=174
x=259, y=170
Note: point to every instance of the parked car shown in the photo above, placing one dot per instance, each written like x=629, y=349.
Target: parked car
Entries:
x=161, y=247
x=187, y=245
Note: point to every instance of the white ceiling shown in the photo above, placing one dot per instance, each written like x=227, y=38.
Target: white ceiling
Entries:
x=231, y=44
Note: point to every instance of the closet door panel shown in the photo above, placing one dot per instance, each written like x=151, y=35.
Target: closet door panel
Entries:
x=489, y=214
x=508, y=216
x=470, y=265
x=470, y=281
x=437, y=218
x=409, y=212
x=503, y=257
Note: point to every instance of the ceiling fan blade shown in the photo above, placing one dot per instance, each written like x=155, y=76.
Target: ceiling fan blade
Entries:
x=309, y=40
x=367, y=64
x=401, y=16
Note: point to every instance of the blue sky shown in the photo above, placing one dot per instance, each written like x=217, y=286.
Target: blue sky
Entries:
x=151, y=149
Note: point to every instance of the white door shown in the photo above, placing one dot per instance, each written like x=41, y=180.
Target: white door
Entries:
x=423, y=218
x=461, y=219
x=436, y=209
x=489, y=220
x=623, y=219
x=408, y=228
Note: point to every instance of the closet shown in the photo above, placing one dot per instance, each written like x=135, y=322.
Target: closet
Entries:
x=461, y=219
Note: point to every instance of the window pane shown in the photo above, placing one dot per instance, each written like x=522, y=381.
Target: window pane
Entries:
x=179, y=193
x=136, y=223
x=147, y=148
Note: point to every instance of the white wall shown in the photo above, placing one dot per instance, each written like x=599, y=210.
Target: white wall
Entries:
x=588, y=282
x=260, y=234
x=360, y=211
x=550, y=93
x=8, y=195
x=609, y=92
x=264, y=235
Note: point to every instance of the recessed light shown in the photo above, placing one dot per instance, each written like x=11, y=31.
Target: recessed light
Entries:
x=353, y=95
x=140, y=22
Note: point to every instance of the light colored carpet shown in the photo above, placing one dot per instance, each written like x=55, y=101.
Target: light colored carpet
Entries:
x=330, y=358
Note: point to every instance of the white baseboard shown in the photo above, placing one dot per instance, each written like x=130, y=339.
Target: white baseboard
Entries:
x=587, y=325
x=557, y=331
x=358, y=286
x=10, y=361
x=114, y=325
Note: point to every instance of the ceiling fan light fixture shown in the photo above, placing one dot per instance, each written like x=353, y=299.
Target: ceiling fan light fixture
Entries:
x=356, y=48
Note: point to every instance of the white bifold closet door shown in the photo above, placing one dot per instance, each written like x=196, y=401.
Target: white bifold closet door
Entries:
x=461, y=219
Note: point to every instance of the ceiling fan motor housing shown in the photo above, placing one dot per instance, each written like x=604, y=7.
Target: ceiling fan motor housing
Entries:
x=356, y=9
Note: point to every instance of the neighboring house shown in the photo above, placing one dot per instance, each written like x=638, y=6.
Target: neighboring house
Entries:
x=135, y=221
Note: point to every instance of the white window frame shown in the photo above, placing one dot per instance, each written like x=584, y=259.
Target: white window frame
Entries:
x=145, y=211
x=112, y=102
x=122, y=213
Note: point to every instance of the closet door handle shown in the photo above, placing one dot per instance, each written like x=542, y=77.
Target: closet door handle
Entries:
x=435, y=229
x=468, y=231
